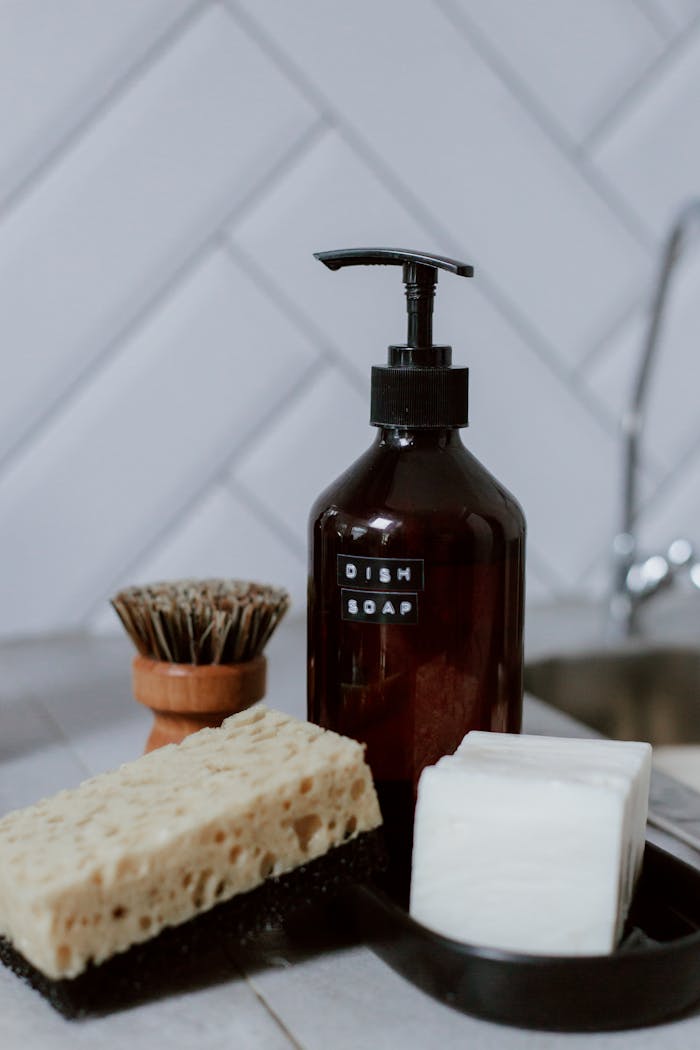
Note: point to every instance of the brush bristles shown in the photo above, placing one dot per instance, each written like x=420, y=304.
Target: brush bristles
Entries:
x=201, y=621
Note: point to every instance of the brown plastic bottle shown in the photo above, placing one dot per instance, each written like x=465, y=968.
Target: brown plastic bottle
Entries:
x=416, y=573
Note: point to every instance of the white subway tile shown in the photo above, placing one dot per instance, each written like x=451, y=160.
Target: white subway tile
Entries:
x=330, y=199
x=471, y=155
x=123, y=209
x=57, y=61
x=220, y=536
x=533, y=432
x=652, y=152
x=611, y=373
x=576, y=59
x=110, y=223
x=134, y=446
x=306, y=448
x=672, y=420
x=537, y=588
x=676, y=15
x=595, y=581
x=674, y=511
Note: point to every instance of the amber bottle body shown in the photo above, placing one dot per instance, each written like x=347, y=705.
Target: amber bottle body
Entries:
x=415, y=608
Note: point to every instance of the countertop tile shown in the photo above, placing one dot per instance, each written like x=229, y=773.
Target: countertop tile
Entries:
x=344, y=999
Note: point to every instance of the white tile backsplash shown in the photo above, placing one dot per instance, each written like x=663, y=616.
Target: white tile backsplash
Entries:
x=473, y=156
x=577, y=59
x=128, y=204
x=307, y=450
x=652, y=153
x=537, y=586
x=541, y=442
x=179, y=378
x=158, y=423
x=220, y=536
x=672, y=420
x=675, y=15
x=58, y=62
x=331, y=199
x=674, y=513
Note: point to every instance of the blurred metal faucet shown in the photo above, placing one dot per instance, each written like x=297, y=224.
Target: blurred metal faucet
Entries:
x=636, y=580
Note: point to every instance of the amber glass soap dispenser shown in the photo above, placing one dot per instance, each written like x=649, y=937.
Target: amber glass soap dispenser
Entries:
x=416, y=568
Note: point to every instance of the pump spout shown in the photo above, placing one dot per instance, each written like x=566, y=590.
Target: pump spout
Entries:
x=419, y=275
x=420, y=281
x=418, y=387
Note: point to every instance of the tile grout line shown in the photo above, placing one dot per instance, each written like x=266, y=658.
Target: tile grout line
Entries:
x=295, y=313
x=548, y=125
x=165, y=288
x=307, y=378
x=235, y=961
x=610, y=332
x=219, y=475
x=536, y=342
x=156, y=50
x=642, y=306
x=597, y=356
x=274, y=522
x=631, y=98
x=294, y=1043
x=546, y=573
x=59, y=732
x=672, y=476
x=603, y=554
x=665, y=30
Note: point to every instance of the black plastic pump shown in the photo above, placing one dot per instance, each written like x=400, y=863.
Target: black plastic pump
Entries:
x=418, y=387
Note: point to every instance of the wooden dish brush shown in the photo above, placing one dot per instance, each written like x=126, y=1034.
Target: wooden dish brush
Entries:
x=200, y=645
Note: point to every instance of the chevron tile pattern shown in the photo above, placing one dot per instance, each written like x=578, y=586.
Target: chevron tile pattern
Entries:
x=179, y=378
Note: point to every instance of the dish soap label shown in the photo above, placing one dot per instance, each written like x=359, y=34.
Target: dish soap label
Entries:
x=383, y=590
x=379, y=606
x=390, y=574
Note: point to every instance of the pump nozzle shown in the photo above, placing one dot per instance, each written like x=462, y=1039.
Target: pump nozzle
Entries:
x=418, y=387
x=419, y=275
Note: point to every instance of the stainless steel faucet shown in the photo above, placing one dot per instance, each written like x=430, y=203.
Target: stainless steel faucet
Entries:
x=636, y=579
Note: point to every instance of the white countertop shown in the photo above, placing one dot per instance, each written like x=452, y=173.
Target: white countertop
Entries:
x=66, y=713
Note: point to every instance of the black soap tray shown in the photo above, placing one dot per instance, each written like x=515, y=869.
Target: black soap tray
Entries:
x=654, y=974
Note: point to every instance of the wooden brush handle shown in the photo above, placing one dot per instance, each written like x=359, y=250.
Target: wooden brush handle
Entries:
x=188, y=697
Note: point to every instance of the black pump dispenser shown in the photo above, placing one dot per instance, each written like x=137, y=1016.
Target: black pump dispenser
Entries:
x=416, y=560
x=418, y=387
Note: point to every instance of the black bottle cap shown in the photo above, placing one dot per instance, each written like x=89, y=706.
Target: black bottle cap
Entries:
x=418, y=387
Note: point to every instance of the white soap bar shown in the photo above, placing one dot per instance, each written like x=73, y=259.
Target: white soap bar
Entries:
x=531, y=844
x=600, y=757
